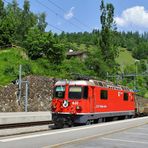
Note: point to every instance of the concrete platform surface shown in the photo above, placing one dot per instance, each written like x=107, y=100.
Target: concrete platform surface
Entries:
x=24, y=117
x=130, y=133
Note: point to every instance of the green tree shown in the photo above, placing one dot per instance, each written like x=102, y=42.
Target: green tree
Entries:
x=40, y=44
x=141, y=51
x=41, y=22
x=13, y=18
x=35, y=40
x=28, y=20
x=107, y=45
x=55, y=53
x=2, y=15
x=25, y=18
x=72, y=66
x=2, y=9
x=95, y=63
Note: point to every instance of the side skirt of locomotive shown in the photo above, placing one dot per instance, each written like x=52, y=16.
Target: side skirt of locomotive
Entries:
x=61, y=119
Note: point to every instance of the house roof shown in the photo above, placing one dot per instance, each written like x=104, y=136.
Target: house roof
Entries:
x=75, y=53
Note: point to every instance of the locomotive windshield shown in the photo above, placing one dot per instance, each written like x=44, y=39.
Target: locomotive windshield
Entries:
x=59, y=92
x=75, y=92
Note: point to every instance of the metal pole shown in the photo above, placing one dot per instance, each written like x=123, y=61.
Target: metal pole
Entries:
x=26, y=97
x=136, y=71
x=20, y=83
x=135, y=77
x=107, y=76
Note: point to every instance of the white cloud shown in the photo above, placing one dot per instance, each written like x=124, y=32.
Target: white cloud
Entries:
x=133, y=16
x=69, y=14
x=120, y=21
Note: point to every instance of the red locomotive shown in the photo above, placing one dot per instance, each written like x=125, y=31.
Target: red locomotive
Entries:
x=90, y=101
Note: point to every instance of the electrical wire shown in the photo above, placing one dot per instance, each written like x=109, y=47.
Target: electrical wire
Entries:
x=57, y=14
x=6, y=2
x=56, y=5
x=55, y=27
x=48, y=23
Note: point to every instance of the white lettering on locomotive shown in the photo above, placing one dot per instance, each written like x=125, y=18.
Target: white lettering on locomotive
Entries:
x=75, y=103
x=101, y=106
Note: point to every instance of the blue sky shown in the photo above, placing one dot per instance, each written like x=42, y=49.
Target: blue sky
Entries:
x=83, y=15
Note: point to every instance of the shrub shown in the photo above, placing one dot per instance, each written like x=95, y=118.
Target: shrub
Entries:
x=9, y=70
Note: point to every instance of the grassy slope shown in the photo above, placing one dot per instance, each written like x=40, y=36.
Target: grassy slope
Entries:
x=125, y=58
x=7, y=61
x=10, y=59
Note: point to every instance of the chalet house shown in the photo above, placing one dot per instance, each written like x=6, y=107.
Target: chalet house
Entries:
x=82, y=55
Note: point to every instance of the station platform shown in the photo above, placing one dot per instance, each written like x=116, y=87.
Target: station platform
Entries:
x=24, y=117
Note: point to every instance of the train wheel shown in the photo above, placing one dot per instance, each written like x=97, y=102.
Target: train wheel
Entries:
x=71, y=125
x=100, y=120
x=127, y=117
x=115, y=118
x=59, y=125
x=88, y=122
x=66, y=126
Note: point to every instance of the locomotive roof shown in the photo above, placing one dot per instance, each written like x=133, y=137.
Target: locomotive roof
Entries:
x=75, y=82
x=93, y=83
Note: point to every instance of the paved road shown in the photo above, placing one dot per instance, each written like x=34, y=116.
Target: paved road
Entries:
x=126, y=133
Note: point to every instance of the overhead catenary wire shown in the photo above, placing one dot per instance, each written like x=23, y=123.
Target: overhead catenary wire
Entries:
x=57, y=14
x=6, y=1
x=57, y=28
x=75, y=18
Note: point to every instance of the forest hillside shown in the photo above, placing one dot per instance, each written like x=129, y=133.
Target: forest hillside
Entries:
x=24, y=41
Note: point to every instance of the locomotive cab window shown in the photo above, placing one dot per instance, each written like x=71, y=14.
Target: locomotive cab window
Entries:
x=59, y=92
x=75, y=92
x=125, y=97
x=104, y=95
x=85, y=92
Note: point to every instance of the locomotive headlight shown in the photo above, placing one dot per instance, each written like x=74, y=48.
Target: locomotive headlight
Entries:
x=78, y=107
